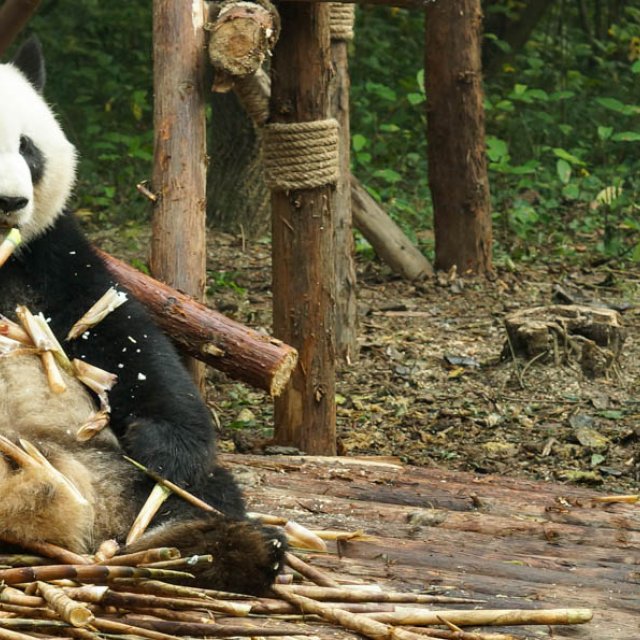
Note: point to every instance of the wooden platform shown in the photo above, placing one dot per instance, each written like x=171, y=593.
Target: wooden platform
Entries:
x=512, y=543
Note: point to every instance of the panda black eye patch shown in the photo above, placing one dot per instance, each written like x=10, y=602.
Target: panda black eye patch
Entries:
x=33, y=157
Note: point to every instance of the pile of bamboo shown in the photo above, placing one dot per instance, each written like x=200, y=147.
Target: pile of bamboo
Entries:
x=133, y=596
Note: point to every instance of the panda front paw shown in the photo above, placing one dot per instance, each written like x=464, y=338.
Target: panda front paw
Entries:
x=170, y=450
x=246, y=556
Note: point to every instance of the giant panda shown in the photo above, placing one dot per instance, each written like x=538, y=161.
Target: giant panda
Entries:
x=157, y=416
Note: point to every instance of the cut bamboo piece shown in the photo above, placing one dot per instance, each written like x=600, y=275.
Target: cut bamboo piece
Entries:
x=9, y=244
x=109, y=302
x=44, y=344
x=156, y=498
x=179, y=491
x=309, y=572
x=93, y=426
x=39, y=457
x=300, y=536
x=70, y=611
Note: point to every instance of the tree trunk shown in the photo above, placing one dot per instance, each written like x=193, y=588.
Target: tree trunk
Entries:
x=14, y=15
x=178, y=245
x=515, y=33
x=303, y=237
x=455, y=134
x=346, y=302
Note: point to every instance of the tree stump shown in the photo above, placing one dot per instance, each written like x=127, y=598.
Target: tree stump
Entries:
x=590, y=336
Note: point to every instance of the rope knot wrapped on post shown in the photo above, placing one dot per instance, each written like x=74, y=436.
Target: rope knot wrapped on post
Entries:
x=301, y=155
x=341, y=20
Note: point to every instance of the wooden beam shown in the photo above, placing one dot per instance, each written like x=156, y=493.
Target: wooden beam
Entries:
x=178, y=244
x=14, y=15
x=302, y=239
x=226, y=345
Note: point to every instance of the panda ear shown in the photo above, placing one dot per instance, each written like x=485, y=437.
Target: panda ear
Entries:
x=30, y=61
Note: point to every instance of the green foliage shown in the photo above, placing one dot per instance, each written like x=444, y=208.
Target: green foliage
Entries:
x=100, y=81
x=388, y=144
x=563, y=118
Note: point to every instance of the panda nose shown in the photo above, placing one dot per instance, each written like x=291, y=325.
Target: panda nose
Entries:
x=9, y=204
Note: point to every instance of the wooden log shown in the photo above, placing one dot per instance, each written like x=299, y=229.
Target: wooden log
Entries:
x=178, y=243
x=243, y=35
x=303, y=238
x=346, y=302
x=385, y=236
x=226, y=345
x=14, y=15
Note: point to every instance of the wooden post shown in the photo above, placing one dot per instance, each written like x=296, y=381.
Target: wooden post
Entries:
x=341, y=21
x=178, y=244
x=14, y=15
x=455, y=131
x=303, y=235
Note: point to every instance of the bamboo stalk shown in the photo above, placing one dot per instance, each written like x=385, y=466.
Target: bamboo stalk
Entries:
x=460, y=635
x=484, y=617
x=158, y=495
x=9, y=244
x=358, y=622
x=300, y=536
x=84, y=573
x=179, y=491
x=16, y=597
x=7, y=634
x=48, y=549
x=109, y=302
x=344, y=594
x=70, y=611
x=143, y=557
x=309, y=572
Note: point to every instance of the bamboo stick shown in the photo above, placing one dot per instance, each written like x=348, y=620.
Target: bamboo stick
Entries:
x=358, y=622
x=179, y=491
x=143, y=557
x=70, y=611
x=460, y=635
x=309, y=572
x=344, y=594
x=484, y=617
x=84, y=573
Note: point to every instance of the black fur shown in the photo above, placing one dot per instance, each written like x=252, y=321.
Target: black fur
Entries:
x=30, y=61
x=156, y=411
x=33, y=157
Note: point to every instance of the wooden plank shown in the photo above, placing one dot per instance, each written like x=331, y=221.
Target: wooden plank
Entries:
x=514, y=543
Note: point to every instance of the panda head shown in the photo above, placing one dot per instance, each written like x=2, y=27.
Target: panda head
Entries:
x=37, y=162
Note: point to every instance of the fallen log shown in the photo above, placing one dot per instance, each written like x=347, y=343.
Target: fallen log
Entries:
x=244, y=354
x=385, y=236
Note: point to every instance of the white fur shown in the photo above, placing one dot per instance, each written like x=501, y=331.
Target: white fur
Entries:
x=24, y=112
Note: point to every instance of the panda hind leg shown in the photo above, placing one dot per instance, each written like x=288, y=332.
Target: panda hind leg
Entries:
x=40, y=498
x=246, y=555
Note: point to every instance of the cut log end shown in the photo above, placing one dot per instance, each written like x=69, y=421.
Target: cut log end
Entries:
x=282, y=373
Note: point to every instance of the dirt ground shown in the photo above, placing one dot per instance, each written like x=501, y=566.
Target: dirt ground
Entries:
x=430, y=385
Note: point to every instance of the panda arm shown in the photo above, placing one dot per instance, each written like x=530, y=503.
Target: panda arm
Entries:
x=156, y=410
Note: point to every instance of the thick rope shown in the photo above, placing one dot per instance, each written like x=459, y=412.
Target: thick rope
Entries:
x=301, y=155
x=341, y=20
